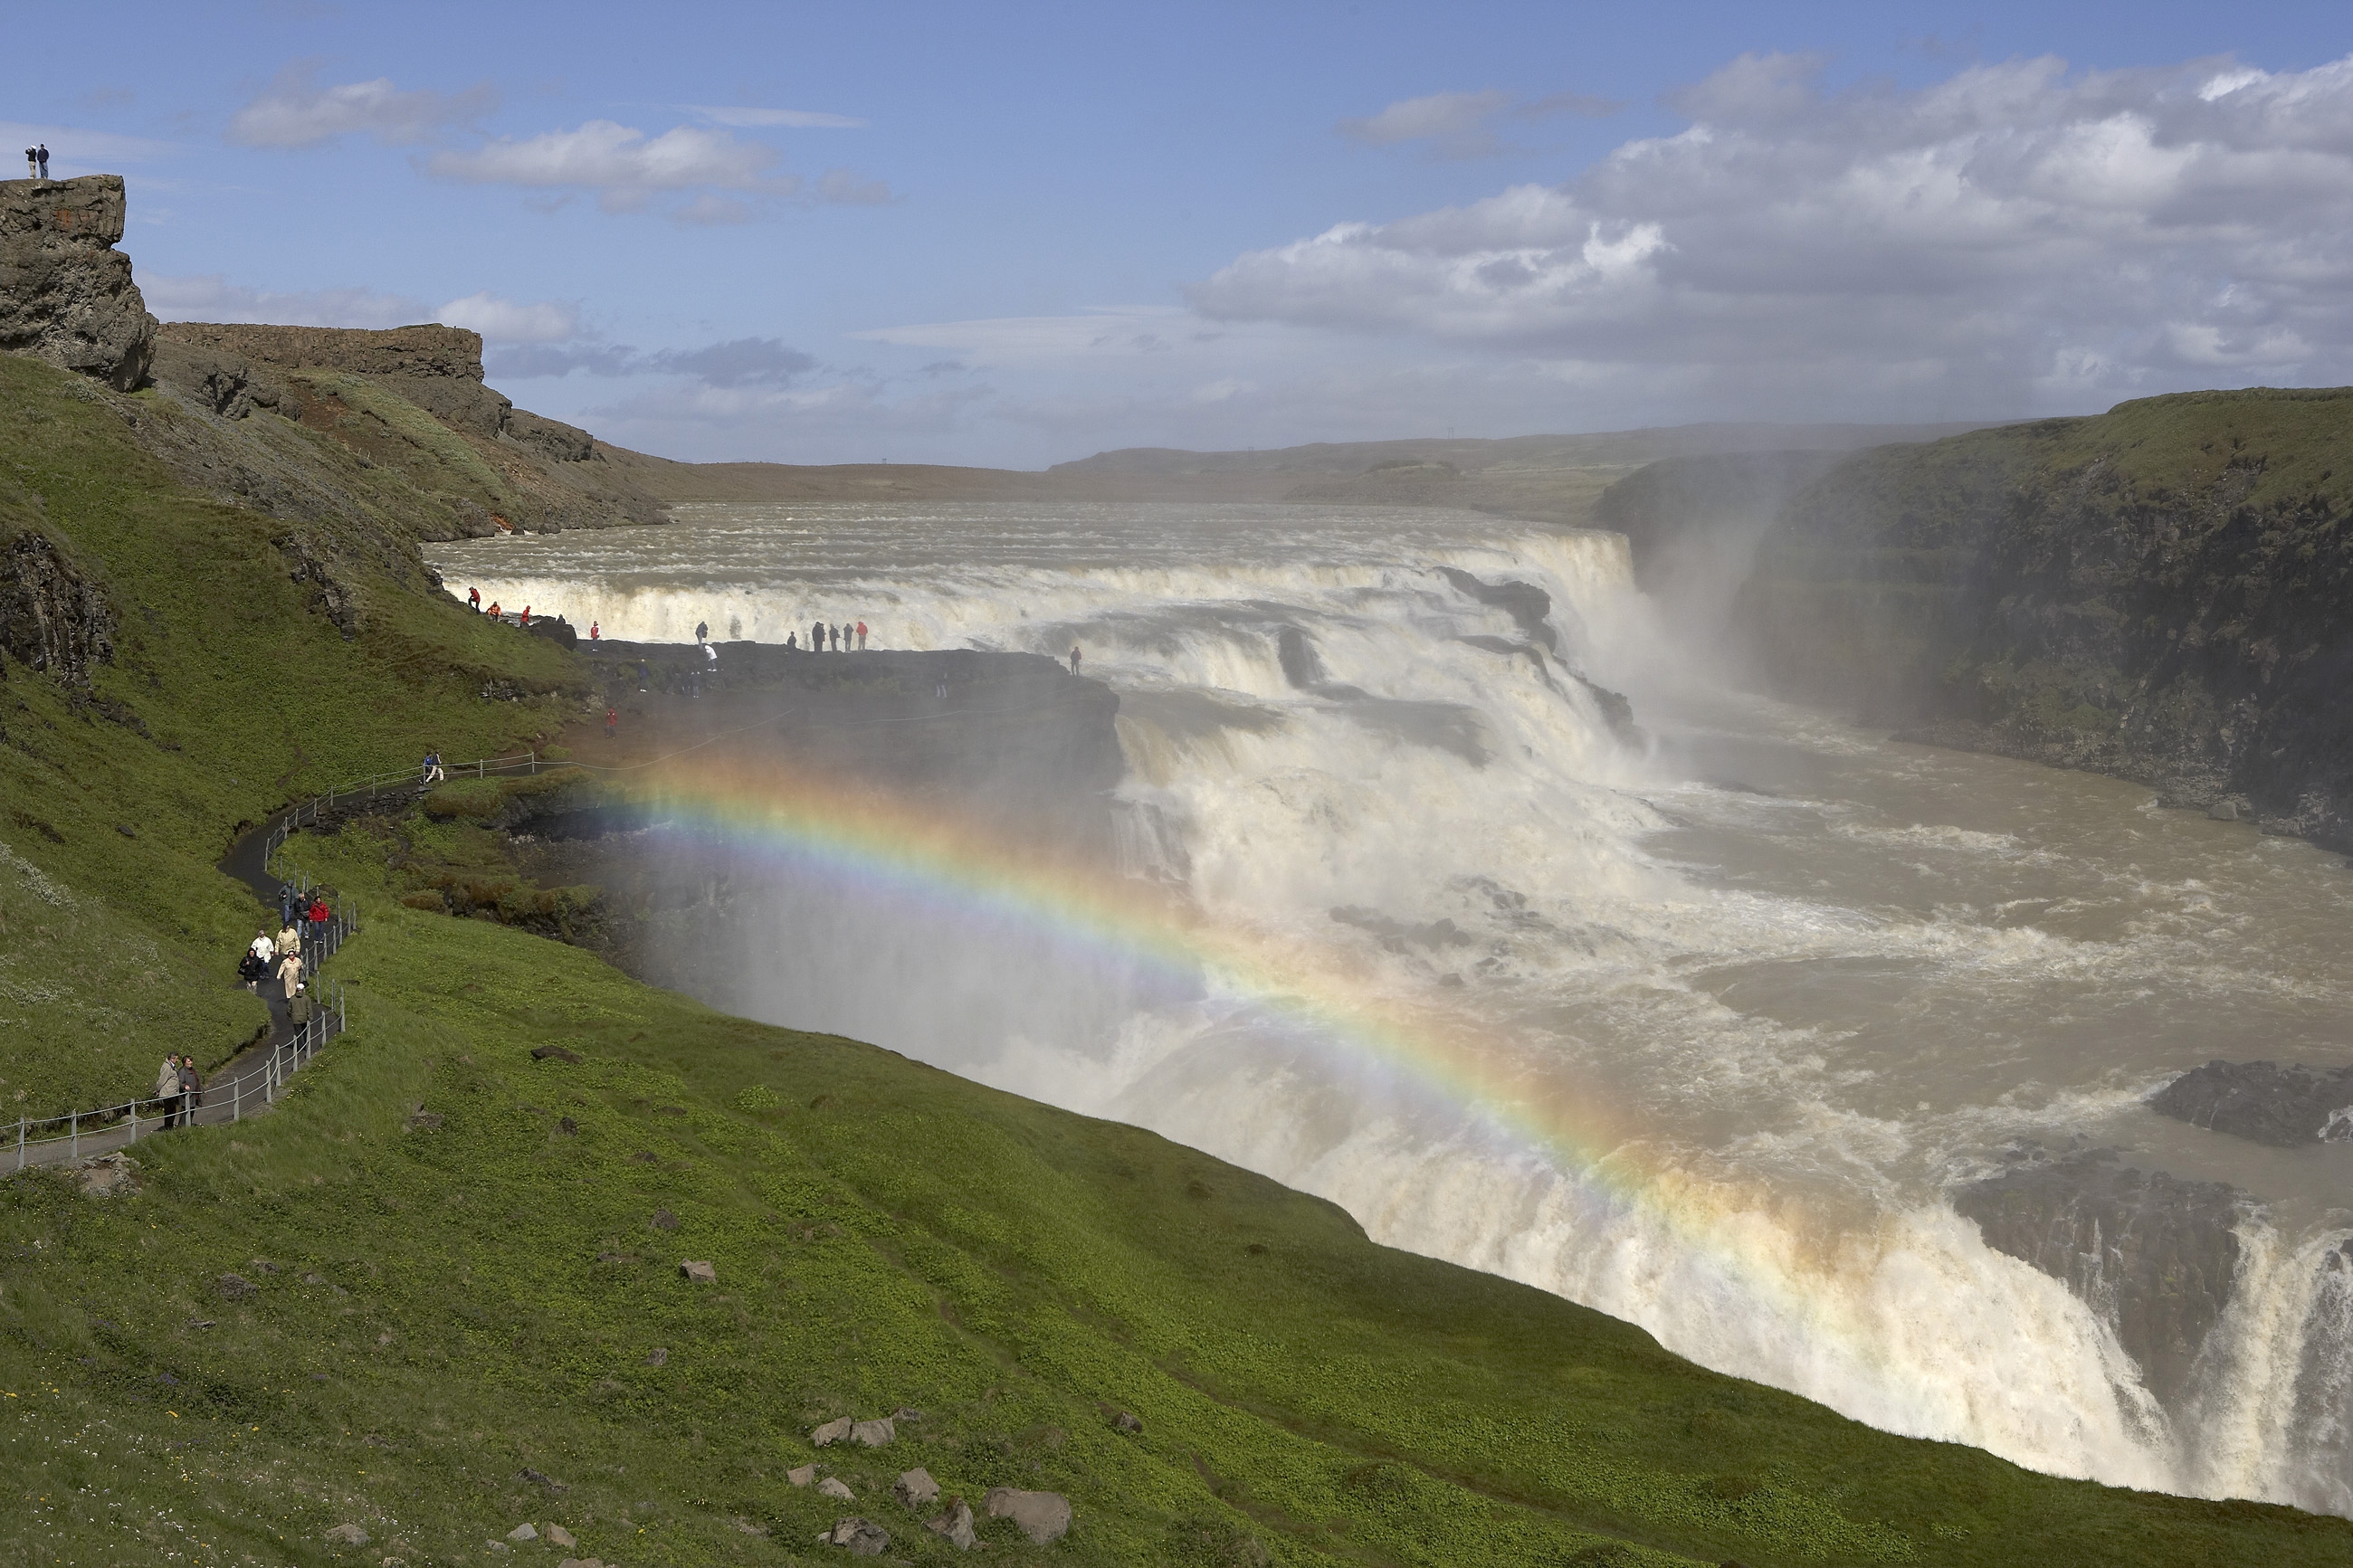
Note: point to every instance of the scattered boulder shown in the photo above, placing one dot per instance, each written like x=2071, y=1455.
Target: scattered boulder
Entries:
x=832, y=1432
x=107, y=1175
x=423, y=1121
x=547, y=1484
x=347, y=1535
x=1043, y=1517
x=524, y=1532
x=915, y=1488
x=556, y=1054
x=658, y=1356
x=582, y=1562
x=663, y=1220
x=236, y=1286
x=863, y=1537
x=956, y=1525
x=2286, y=1106
x=873, y=1433
x=834, y=1487
x=802, y=1475
x=906, y=1413
x=701, y=1273
x=1128, y=1421
x=559, y=1536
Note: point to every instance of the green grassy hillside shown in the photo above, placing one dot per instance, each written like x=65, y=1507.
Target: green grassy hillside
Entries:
x=438, y=1327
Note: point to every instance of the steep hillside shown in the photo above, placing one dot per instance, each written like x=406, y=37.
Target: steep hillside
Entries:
x=436, y=1294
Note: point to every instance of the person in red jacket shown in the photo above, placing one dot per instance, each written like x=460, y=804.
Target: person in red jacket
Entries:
x=861, y=636
x=594, y=635
x=474, y=600
x=320, y=915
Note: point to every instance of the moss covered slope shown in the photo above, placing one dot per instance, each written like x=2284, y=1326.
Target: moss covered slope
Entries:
x=438, y=1327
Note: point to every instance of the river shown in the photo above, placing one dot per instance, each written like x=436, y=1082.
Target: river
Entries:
x=1755, y=993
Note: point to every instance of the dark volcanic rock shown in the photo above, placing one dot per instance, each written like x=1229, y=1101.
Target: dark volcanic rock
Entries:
x=66, y=293
x=2154, y=1255
x=2286, y=1106
x=51, y=616
x=1529, y=606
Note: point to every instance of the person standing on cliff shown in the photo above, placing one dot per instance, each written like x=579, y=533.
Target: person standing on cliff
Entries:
x=596, y=632
x=42, y=153
x=861, y=636
x=32, y=164
x=474, y=600
x=1074, y=658
x=702, y=632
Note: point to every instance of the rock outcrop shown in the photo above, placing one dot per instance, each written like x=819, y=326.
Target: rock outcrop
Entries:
x=2286, y=1106
x=52, y=617
x=2154, y=1255
x=66, y=293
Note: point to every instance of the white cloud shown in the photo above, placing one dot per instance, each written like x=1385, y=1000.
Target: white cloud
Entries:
x=840, y=187
x=296, y=112
x=212, y=298
x=622, y=163
x=1461, y=124
x=505, y=321
x=790, y=119
x=2013, y=228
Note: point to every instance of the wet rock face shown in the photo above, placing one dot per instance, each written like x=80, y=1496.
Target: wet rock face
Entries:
x=51, y=618
x=66, y=293
x=2286, y=1106
x=2154, y=1255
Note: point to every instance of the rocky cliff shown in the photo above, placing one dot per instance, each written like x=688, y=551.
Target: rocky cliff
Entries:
x=2159, y=593
x=66, y=293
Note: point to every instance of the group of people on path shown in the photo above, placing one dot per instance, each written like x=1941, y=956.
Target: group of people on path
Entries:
x=37, y=161
x=180, y=1089
x=848, y=637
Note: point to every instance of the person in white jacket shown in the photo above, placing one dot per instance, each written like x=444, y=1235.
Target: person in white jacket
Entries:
x=167, y=1088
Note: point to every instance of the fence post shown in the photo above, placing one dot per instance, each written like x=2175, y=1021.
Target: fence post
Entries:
x=236, y=1096
x=134, y=1121
x=73, y=1136
x=20, y=1143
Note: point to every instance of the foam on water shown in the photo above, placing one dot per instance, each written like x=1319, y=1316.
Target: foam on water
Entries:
x=1811, y=1011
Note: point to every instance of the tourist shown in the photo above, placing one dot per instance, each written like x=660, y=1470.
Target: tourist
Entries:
x=595, y=634
x=44, y=155
x=251, y=966
x=433, y=770
x=816, y=637
x=612, y=723
x=474, y=600
x=861, y=636
x=167, y=1088
x=701, y=631
x=837, y=639
x=494, y=609
x=286, y=896
x=192, y=1091
x=289, y=937
x=526, y=617
x=290, y=970
x=792, y=642
x=320, y=915
x=1074, y=658
x=262, y=950
x=32, y=164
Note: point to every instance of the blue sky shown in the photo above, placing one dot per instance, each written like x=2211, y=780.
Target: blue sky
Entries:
x=1016, y=235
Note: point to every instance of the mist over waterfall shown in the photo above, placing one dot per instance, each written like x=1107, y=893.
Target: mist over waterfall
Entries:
x=1768, y=991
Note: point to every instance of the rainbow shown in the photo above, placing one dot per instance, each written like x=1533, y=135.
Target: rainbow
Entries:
x=1325, y=998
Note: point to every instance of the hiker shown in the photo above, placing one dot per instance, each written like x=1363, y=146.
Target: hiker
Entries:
x=837, y=639
x=192, y=1091
x=259, y=954
x=289, y=939
x=474, y=600
x=701, y=631
x=167, y=1088
x=440, y=776
x=290, y=971
x=612, y=724
x=32, y=164
x=494, y=609
x=792, y=642
x=250, y=966
x=286, y=897
x=526, y=617
x=44, y=156
x=861, y=636
x=816, y=637
x=1074, y=658
x=594, y=635
x=320, y=915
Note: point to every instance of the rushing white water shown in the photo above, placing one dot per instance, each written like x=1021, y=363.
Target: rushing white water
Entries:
x=1809, y=979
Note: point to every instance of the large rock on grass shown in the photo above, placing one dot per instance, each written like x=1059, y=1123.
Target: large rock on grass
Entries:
x=66, y=293
x=1043, y=1517
x=863, y=1537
